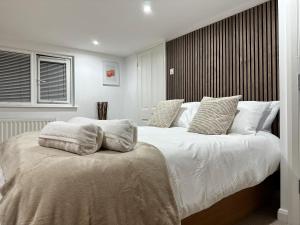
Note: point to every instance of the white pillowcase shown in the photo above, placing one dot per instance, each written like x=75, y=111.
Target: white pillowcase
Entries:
x=186, y=114
x=270, y=115
x=248, y=117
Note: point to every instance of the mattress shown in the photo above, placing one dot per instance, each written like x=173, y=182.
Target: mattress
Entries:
x=204, y=169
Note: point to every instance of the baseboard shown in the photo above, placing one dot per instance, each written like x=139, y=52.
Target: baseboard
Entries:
x=282, y=215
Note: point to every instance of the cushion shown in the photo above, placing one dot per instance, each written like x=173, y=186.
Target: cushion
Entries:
x=75, y=138
x=215, y=115
x=270, y=115
x=248, y=116
x=119, y=135
x=165, y=113
x=186, y=114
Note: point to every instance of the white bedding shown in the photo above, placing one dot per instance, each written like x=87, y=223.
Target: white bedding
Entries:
x=1, y=181
x=205, y=169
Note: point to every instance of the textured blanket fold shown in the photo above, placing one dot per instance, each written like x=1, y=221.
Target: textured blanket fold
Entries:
x=81, y=139
x=52, y=187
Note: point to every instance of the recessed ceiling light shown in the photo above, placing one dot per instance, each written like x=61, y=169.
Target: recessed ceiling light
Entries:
x=147, y=7
x=95, y=42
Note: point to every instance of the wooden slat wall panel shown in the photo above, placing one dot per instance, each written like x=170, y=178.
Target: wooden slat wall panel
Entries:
x=238, y=55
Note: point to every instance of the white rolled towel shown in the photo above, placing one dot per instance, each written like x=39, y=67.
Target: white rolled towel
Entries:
x=81, y=139
x=119, y=135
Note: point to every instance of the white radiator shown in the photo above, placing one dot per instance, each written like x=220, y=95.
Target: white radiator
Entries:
x=12, y=127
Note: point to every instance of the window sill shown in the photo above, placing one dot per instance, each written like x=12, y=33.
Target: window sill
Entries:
x=52, y=106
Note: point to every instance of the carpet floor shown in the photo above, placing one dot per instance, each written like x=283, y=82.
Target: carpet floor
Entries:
x=262, y=217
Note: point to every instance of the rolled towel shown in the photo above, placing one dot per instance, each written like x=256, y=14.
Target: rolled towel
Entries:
x=119, y=135
x=81, y=139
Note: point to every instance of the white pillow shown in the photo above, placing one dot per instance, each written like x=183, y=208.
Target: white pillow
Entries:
x=248, y=117
x=186, y=114
x=270, y=115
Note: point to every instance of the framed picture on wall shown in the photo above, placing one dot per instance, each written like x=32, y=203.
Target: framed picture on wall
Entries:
x=111, y=74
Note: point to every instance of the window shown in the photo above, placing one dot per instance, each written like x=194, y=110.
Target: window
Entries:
x=30, y=79
x=53, y=80
x=15, y=77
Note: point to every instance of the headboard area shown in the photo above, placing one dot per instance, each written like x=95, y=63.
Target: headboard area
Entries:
x=238, y=55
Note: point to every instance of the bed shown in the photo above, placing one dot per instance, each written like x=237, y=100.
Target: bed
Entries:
x=225, y=176
x=204, y=170
x=207, y=64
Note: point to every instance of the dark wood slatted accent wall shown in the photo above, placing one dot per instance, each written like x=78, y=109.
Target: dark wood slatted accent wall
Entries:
x=238, y=55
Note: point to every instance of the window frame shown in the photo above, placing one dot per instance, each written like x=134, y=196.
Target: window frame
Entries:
x=67, y=62
x=35, y=103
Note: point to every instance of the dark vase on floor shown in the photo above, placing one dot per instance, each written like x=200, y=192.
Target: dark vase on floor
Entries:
x=102, y=110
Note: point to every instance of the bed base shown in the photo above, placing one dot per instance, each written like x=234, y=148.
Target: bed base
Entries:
x=236, y=207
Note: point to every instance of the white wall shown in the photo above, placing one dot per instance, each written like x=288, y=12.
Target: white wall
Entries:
x=137, y=86
x=123, y=100
x=131, y=107
x=88, y=86
x=283, y=211
x=289, y=96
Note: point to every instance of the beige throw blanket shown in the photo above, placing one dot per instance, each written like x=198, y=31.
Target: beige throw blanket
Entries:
x=52, y=187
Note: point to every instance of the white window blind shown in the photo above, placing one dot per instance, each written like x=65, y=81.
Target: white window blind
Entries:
x=54, y=79
x=30, y=79
x=15, y=77
x=53, y=83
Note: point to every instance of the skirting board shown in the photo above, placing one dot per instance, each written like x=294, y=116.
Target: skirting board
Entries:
x=282, y=215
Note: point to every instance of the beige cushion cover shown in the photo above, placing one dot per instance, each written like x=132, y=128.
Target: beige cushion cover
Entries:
x=165, y=113
x=79, y=139
x=215, y=115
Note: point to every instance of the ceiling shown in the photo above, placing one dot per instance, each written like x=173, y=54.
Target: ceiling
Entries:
x=120, y=26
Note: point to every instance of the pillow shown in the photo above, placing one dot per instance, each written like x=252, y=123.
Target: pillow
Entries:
x=248, y=116
x=165, y=113
x=215, y=115
x=79, y=139
x=119, y=135
x=186, y=114
x=270, y=115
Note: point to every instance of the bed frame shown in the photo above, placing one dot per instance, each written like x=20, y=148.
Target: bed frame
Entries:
x=236, y=207
x=235, y=56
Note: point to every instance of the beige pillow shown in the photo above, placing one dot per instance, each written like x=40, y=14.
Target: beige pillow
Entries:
x=215, y=115
x=165, y=113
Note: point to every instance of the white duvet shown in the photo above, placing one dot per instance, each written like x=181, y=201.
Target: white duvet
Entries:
x=205, y=169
